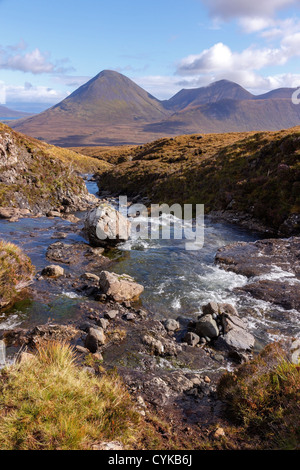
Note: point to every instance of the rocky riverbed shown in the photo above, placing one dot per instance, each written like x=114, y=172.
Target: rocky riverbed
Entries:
x=170, y=363
x=273, y=267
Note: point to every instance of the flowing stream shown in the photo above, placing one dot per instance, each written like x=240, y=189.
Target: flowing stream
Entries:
x=177, y=282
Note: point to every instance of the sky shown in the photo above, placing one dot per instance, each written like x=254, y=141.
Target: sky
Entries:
x=49, y=49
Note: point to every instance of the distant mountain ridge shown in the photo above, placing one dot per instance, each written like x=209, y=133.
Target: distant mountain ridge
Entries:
x=7, y=113
x=111, y=109
x=217, y=91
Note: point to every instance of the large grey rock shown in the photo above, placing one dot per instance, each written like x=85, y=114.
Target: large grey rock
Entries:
x=232, y=322
x=236, y=337
x=94, y=339
x=206, y=326
x=120, y=288
x=106, y=226
x=171, y=325
x=236, y=340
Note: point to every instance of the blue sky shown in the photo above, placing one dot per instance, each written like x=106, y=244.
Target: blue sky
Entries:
x=48, y=49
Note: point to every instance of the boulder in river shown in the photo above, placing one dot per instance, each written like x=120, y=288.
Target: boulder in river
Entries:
x=119, y=288
x=53, y=271
x=105, y=226
x=235, y=337
x=223, y=326
x=206, y=326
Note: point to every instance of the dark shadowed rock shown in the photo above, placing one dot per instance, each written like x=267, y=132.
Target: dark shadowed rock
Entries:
x=94, y=339
x=192, y=339
x=206, y=326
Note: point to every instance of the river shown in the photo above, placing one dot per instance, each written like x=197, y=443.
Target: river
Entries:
x=177, y=282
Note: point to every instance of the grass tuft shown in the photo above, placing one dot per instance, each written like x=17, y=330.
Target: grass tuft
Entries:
x=49, y=403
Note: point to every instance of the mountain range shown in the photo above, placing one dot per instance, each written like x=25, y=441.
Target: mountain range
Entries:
x=111, y=109
x=7, y=113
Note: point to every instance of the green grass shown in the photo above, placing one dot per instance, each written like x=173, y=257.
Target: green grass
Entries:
x=50, y=403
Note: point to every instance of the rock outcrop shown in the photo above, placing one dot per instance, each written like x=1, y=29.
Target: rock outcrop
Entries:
x=221, y=325
x=36, y=178
x=272, y=266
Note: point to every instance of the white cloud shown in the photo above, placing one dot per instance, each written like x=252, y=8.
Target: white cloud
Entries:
x=220, y=58
x=229, y=9
x=35, y=62
x=29, y=93
x=254, y=24
x=253, y=16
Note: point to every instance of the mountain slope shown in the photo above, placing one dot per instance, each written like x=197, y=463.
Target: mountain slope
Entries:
x=6, y=113
x=109, y=105
x=280, y=93
x=39, y=177
x=231, y=116
x=218, y=91
x=112, y=110
x=111, y=96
